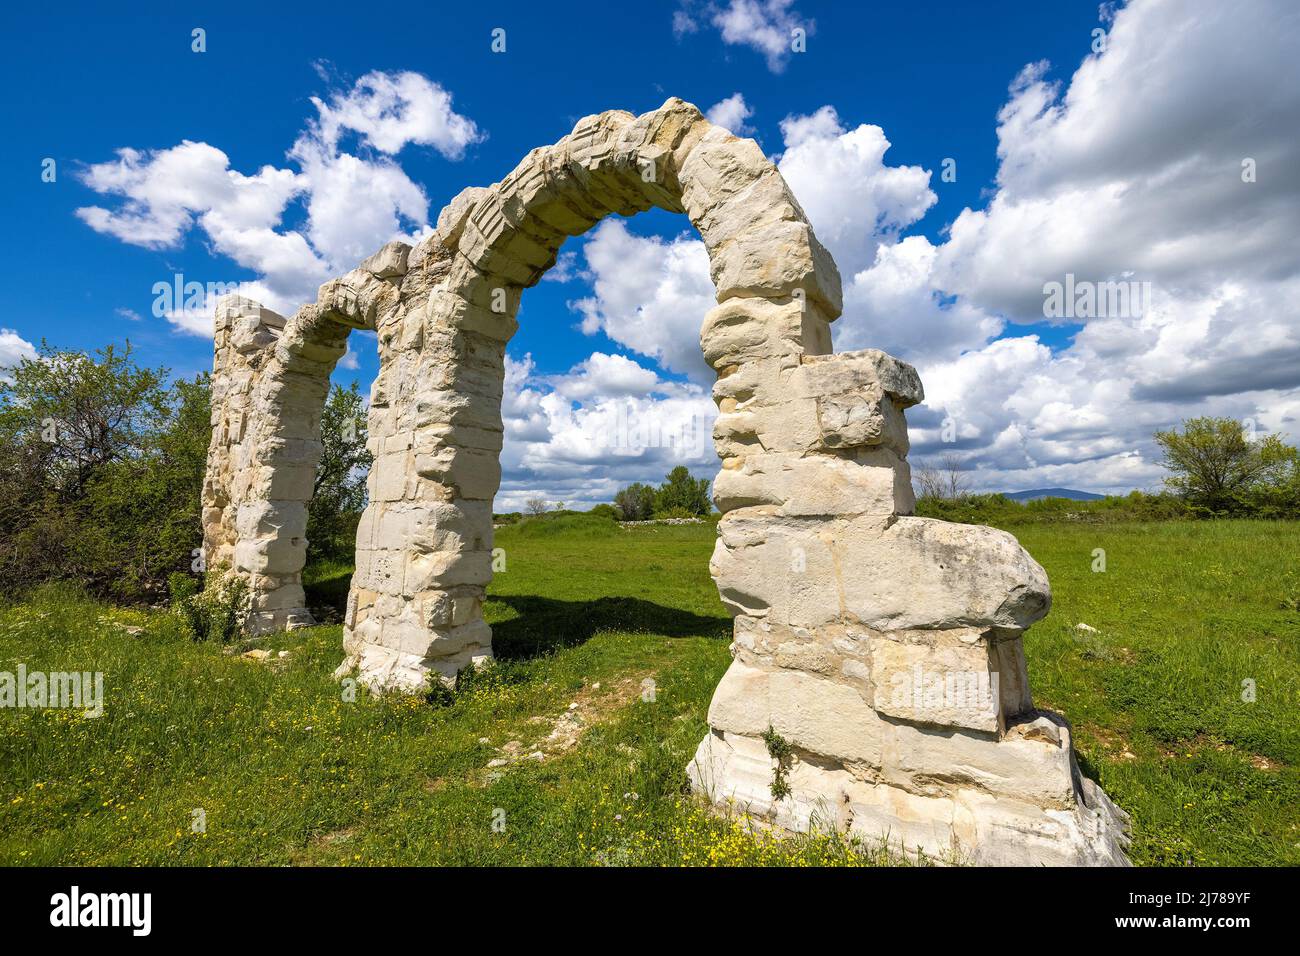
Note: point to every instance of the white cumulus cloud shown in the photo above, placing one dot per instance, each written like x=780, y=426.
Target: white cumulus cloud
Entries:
x=731, y=114
x=353, y=202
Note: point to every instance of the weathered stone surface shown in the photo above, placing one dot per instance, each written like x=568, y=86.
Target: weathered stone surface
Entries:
x=921, y=572
x=884, y=648
x=964, y=825
x=875, y=484
x=948, y=678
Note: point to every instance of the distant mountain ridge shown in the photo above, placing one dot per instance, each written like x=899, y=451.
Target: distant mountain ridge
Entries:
x=1039, y=493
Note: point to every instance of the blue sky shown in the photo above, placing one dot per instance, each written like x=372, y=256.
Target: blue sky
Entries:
x=98, y=80
x=933, y=76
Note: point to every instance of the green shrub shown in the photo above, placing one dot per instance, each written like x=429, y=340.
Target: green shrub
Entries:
x=217, y=613
x=339, y=491
x=675, y=512
x=101, y=467
x=778, y=749
x=1001, y=511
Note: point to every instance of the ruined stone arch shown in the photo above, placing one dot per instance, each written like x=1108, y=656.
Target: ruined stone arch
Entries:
x=836, y=590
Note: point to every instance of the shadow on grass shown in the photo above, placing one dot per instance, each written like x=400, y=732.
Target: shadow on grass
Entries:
x=329, y=591
x=544, y=625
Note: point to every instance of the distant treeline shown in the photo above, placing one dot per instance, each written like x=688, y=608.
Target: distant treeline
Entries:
x=1000, y=511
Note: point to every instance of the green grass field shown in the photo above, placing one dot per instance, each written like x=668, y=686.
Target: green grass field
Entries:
x=554, y=757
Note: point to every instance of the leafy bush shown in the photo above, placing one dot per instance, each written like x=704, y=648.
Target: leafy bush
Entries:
x=681, y=493
x=1219, y=468
x=1001, y=511
x=675, y=512
x=636, y=502
x=216, y=613
x=101, y=468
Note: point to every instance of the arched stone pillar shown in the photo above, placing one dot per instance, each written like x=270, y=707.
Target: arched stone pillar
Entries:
x=270, y=379
x=847, y=607
x=416, y=599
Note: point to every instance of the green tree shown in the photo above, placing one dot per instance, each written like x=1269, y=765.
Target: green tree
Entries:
x=1220, y=469
x=682, y=494
x=72, y=413
x=339, y=493
x=636, y=502
x=101, y=467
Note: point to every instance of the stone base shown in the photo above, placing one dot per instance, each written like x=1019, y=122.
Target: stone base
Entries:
x=964, y=825
x=382, y=669
x=281, y=619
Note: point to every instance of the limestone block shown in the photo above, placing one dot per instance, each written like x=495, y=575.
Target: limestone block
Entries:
x=473, y=636
x=443, y=570
x=430, y=526
x=276, y=450
x=358, y=299
x=389, y=477
x=528, y=185
x=947, y=678
x=594, y=137
x=1013, y=673
x=777, y=259
x=549, y=194
x=263, y=518
x=814, y=714
x=755, y=382
x=732, y=769
x=742, y=330
x=778, y=568
x=481, y=289
x=452, y=219
x=464, y=436
x=863, y=419
x=448, y=309
x=389, y=262
x=923, y=573
x=719, y=165
x=764, y=201
x=288, y=597
x=277, y=555
x=284, y=480
x=822, y=376
x=837, y=651
x=674, y=127
x=1008, y=832
x=935, y=761
x=442, y=609
x=790, y=426
x=472, y=473
x=380, y=570
x=817, y=484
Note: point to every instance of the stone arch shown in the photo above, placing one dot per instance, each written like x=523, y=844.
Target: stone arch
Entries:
x=836, y=589
x=270, y=380
x=437, y=451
